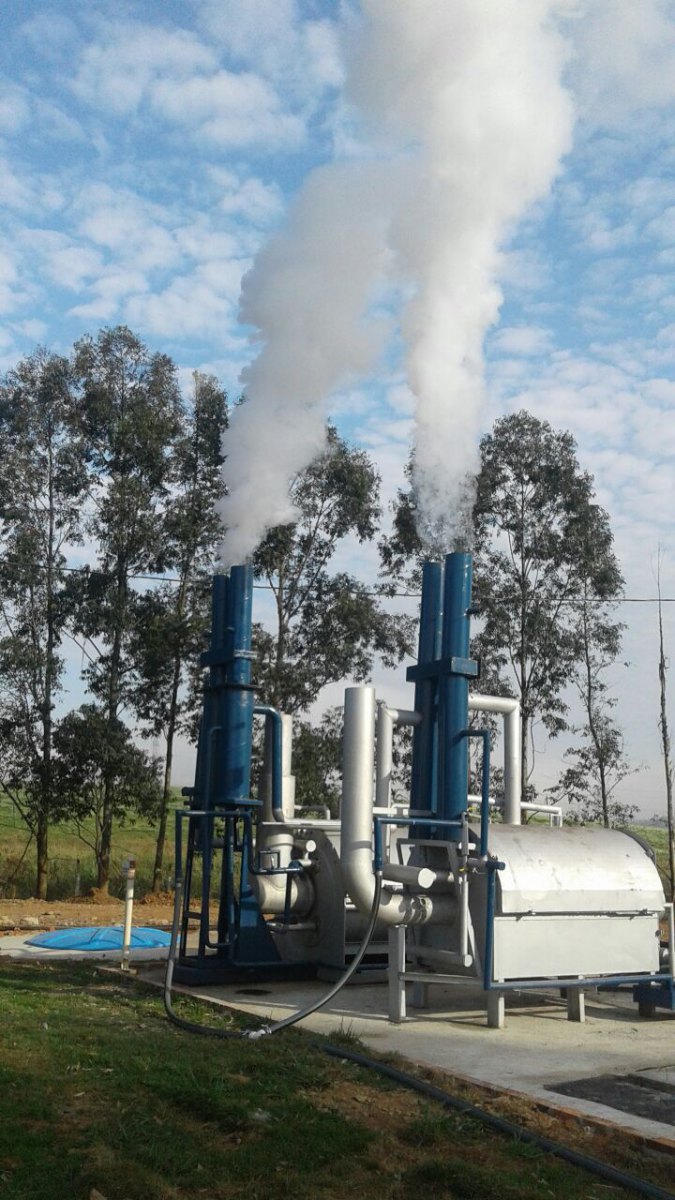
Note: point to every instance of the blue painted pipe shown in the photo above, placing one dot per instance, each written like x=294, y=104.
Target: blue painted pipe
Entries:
x=271, y=714
x=425, y=735
x=453, y=709
x=237, y=698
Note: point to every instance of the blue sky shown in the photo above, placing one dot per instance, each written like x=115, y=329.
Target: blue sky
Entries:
x=149, y=149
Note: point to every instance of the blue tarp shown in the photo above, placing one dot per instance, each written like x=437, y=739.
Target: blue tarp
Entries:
x=105, y=937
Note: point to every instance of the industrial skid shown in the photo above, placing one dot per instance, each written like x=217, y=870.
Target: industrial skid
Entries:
x=444, y=892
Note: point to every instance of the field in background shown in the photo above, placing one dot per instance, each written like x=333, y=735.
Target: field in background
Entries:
x=131, y=839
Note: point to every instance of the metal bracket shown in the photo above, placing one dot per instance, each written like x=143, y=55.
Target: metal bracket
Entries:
x=468, y=667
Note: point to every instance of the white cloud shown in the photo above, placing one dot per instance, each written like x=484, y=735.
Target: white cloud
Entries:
x=127, y=224
x=15, y=192
x=525, y=340
x=117, y=73
x=110, y=291
x=33, y=329
x=8, y=280
x=258, y=202
x=62, y=260
x=54, y=124
x=200, y=304
x=626, y=57
x=662, y=227
x=177, y=77
x=301, y=54
x=229, y=108
x=14, y=108
x=50, y=33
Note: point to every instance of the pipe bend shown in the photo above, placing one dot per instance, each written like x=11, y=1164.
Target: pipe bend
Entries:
x=270, y=892
x=356, y=841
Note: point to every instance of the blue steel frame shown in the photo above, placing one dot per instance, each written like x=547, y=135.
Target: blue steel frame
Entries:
x=222, y=793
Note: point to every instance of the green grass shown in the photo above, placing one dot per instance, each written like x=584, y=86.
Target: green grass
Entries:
x=658, y=840
x=99, y=1090
x=132, y=838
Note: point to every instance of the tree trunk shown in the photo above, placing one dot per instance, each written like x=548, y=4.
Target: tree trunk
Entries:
x=113, y=705
x=667, y=761
x=103, y=856
x=42, y=847
x=51, y=672
x=523, y=755
x=166, y=794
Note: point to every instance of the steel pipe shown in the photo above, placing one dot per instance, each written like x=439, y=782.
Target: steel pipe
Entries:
x=356, y=851
x=419, y=877
x=387, y=720
x=275, y=831
x=509, y=709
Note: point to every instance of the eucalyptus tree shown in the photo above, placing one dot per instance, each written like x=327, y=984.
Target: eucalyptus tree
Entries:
x=42, y=484
x=543, y=547
x=172, y=619
x=95, y=753
x=326, y=624
x=597, y=761
x=130, y=410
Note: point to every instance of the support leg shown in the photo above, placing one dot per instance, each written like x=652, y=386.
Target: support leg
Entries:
x=420, y=995
x=576, y=1005
x=396, y=973
x=496, y=1008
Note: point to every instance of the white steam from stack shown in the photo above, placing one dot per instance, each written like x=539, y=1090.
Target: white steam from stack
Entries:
x=464, y=108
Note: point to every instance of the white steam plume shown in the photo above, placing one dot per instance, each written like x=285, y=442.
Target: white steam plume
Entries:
x=307, y=294
x=468, y=120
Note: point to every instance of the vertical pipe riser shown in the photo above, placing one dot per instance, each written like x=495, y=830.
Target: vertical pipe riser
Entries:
x=425, y=740
x=239, y=699
x=454, y=689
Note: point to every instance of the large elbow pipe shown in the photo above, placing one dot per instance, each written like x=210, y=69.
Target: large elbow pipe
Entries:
x=508, y=708
x=356, y=842
x=275, y=839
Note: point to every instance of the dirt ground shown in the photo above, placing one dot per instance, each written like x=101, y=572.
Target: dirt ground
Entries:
x=95, y=909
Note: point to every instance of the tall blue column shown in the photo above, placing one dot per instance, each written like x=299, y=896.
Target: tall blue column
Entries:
x=224, y=752
x=238, y=695
x=425, y=739
x=453, y=712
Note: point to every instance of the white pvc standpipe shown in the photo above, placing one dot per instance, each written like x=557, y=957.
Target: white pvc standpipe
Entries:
x=509, y=710
x=128, y=911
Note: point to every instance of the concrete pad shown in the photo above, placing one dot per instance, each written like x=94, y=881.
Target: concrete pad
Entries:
x=17, y=947
x=665, y=1075
x=537, y=1048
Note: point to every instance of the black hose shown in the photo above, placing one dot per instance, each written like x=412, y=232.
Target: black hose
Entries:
x=264, y=1030
x=593, y=1165
x=620, y=1178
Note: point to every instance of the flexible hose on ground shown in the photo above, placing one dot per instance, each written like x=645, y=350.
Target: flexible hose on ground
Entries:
x=584, y=1161
x=264, y=1030
x=594, y=1165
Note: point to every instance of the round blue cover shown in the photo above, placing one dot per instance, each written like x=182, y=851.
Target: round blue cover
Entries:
x=100, y=937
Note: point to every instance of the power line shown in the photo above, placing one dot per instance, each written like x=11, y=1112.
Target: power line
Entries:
x=385, y=594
